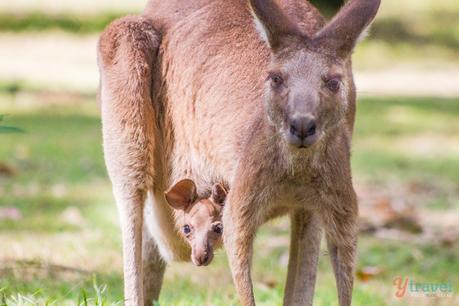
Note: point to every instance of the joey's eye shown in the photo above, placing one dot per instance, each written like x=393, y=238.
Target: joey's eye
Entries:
x=186, y=229
x=276, y=80
x=333, y=84
x=218, y=228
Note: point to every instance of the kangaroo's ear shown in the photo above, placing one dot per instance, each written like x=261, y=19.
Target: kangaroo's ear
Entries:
x=182, y=194
x=271, y=23
x=342, y=33
x=218, y=194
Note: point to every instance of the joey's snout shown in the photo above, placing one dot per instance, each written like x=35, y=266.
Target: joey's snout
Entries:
x=202, y=256
x=301, y=131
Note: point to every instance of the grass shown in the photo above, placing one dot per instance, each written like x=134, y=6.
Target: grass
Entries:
x=40, y=21
x=419, y=34
x=420, y=23
x=8, y=129
x=409, y=138
x=64, y=249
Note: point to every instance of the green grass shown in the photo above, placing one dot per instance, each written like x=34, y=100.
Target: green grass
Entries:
x=421, y=23
x=65, y=248
x=6, y=128
x=385, y=128
x=40, y=21
x=405, y=34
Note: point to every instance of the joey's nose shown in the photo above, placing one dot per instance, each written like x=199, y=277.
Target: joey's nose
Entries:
x=302, y=127
x=203, y=257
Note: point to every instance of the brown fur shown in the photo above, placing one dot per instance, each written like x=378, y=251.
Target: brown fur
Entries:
x=189, y=90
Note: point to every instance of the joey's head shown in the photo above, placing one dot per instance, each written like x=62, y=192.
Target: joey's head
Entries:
x=202, y=226
x=309, y=80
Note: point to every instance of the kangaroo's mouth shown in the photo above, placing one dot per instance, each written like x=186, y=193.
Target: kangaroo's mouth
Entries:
x=302, y=142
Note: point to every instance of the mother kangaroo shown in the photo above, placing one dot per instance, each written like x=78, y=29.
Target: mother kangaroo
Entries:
x=258, y=95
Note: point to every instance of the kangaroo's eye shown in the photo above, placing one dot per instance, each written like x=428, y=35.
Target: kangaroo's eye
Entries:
x=333, y=84
x=186, y=229
x=218, y=228
x=276, y=80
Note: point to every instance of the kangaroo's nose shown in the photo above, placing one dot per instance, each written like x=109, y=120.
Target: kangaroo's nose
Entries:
x=303, y=127
x=202, y=257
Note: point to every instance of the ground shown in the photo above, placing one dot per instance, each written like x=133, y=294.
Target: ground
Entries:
x=59, y=231
x=65, y=236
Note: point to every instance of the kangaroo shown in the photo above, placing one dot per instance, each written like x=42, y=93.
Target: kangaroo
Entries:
x=198, y=219
x=258, y=95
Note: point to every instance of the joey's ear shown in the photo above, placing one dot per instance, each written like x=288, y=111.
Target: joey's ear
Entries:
x=218, y=194
x=342, y=33
x=271, y=23
x=182, y=194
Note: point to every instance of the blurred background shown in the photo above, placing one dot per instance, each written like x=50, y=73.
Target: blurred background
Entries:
x=59, y=233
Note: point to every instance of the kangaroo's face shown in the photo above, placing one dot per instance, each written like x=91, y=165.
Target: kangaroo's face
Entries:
x=201, y=224
x=203, y=230
x=309, y=84
x=306, y=95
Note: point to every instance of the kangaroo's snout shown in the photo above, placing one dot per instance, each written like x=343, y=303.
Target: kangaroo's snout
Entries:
x=302, y=131
x=202, y=256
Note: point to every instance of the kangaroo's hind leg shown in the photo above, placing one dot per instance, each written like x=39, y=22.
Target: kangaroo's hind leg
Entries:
x=126, y=56
x=154, y=267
